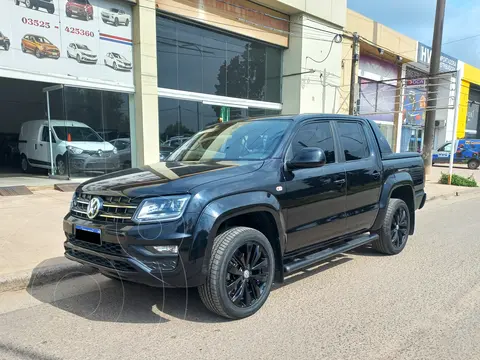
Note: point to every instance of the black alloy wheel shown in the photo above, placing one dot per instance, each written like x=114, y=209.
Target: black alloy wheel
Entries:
x=393, y=235
x=399, y=228
x=240, y=273
x=247, y=274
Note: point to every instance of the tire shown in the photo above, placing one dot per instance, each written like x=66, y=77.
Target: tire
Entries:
x=6, y=46
x=127, y=22
x=51, y=11
x=115, y=22
x=24, y=164
x=68, y=13
x=396, y=222
x=28, y=4
x=23, y=49
x=473, y=164
x=37, y=54
x=115, y=67
x=61, y=166
x=249, y=290
x=17, y=2
x=78, y=58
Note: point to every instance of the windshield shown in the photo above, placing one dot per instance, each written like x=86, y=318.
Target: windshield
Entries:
x=114, y=10
x=42, y=40
x=77, y=133
x=82, y=47
x=248, y=140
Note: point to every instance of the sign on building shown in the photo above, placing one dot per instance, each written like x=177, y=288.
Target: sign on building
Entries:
x=424, y=55
x=81, y=40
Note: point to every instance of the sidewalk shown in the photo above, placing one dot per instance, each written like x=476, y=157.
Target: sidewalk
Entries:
x=31, y=235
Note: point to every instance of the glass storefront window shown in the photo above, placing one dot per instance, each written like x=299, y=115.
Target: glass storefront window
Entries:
x=197, y=59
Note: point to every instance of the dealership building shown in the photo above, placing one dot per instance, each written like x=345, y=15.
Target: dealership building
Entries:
x=119, y=80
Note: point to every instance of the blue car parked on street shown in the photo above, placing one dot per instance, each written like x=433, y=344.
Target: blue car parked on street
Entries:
x=466, y=153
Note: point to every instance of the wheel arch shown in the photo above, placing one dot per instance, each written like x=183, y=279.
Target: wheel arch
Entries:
x=258, y=210
x=397, y=186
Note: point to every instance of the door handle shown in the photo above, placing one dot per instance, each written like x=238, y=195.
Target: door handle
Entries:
x=41, y=144
x=376, y=175
x=340, y=182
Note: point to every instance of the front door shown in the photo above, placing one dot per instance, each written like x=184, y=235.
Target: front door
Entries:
x=364, y=174
x=315, y=197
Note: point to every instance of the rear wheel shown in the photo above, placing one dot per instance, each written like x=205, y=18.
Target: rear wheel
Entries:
x=68, y=13
x=51, y=11
x=473, y=164
x=393, y=235
x=28, y=4
x=127, y=22
x=24, y=164
x=240, y=273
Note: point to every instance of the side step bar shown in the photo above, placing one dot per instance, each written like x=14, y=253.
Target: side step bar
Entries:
x=329, y=252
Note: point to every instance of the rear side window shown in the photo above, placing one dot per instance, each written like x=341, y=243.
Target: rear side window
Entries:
x=382, y=142
x=45, y=136
x=353, y=140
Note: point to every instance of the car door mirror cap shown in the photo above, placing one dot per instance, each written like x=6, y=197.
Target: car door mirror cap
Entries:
x=309, y=157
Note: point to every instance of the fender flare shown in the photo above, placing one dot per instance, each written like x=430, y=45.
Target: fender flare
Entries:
x=222, y=209
x=394, y=181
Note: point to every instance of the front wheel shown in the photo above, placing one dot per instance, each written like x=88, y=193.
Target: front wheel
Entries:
x=79, y=60
x=393, y=235
x=24, y=164
x=6, y=46
x=127, y=22
x=61, y=166
x=38, y=54
x=115, y=67
x=473, y=164
x=51, y=11
x=240, y=273
x=28, y=4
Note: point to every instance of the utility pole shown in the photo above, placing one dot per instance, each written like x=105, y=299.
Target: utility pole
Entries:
x=324, y=93
x=353, y=74
x=433, y=87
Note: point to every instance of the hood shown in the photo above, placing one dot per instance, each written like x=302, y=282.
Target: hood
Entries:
x=91, y=145
x=166, y=178
x=88, y=52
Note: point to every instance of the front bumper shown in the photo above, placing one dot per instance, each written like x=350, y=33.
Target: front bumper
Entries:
x=87, y=59
x=124, y=252
x=50, y=53
x=86, y=163
x=122, y=66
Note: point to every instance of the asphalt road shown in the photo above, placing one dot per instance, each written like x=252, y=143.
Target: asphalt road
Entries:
x=421, y=304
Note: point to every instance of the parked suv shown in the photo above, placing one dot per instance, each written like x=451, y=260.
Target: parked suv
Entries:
x=39, y=46
x=81, y=53
x=4, y=41
x=36, y=4
x=79, y=8
x=72, y=141
x=467, y=152
x=117, y=61
x=243, y=204
x=115, y=16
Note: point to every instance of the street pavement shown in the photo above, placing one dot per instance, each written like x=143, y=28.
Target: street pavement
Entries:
x=421, y=304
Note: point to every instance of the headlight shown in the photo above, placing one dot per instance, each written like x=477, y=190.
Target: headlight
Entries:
x=161, y=209
x=115, y=150
x=73, y=202
x=74, y=150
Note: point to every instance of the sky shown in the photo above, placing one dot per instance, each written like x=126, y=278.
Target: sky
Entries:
x=415, y=19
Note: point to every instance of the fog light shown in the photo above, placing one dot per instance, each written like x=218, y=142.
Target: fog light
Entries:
x=166, y=249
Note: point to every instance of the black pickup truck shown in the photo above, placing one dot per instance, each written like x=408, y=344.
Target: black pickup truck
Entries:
x=242, y=204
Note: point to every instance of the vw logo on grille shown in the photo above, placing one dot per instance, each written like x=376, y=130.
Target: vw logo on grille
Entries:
x=94, y=207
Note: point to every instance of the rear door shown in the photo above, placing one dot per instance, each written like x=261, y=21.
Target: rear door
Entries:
x=315, y=198
x=363, y=168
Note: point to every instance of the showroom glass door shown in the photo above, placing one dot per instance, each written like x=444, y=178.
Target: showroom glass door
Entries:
x=49, y=149
x=90, y=132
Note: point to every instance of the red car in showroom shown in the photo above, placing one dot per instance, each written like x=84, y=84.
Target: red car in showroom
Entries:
x=79, y=8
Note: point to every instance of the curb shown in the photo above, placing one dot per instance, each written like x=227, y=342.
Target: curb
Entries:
x=461, y=191
x=43, y=275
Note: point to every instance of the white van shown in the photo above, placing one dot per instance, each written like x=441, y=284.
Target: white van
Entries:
x=85, y=150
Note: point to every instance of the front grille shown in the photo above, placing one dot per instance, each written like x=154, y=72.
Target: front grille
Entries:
x=106, y=248
x=116, y=209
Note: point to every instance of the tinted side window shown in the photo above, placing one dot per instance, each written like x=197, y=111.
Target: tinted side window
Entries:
x=315, y=135
x=353, y=140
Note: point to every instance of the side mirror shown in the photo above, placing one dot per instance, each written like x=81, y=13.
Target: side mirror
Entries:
x=309, y=157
